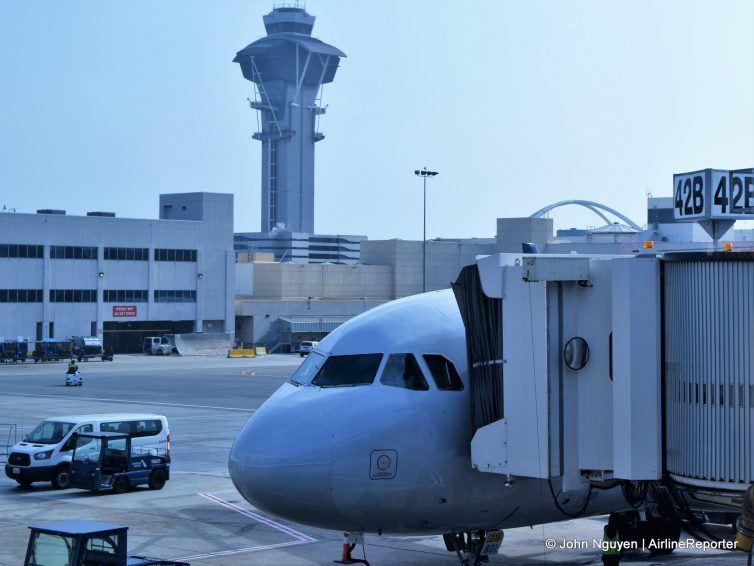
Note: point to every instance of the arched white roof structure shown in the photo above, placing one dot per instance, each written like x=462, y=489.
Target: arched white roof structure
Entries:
x=591, y=205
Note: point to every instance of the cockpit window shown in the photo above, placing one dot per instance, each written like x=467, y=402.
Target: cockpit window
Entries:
x=359, y=369
x=401, y=370
x=444, y=373
x=307, y=369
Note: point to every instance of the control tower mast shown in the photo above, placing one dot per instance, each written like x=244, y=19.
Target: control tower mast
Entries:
x=288, y=68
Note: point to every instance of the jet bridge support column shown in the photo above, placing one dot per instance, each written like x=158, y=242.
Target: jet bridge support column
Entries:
x=636, y=346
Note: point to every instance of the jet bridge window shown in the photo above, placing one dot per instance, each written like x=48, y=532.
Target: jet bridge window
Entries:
x=359, y=369
x=444, y=373
x=401, y=370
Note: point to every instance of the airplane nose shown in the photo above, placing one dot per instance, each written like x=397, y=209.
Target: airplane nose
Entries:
x=282, y=464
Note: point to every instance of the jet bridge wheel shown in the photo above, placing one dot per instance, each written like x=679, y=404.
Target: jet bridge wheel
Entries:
x=657, y=535
x=663, y=534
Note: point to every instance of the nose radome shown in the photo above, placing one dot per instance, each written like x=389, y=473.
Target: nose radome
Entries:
x=282, y=465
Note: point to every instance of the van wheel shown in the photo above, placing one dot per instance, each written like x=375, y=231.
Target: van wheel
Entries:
x=160, y=352
x=24, y=483
x=62, y=478
x=157, y=479
x=121, y=485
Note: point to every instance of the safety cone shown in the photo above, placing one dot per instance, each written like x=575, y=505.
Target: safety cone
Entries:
x=349, y=543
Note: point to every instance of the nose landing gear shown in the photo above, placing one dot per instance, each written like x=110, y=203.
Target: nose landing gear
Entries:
x=473, y=547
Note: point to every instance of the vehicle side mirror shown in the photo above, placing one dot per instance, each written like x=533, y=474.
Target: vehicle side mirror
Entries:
x=26, y=438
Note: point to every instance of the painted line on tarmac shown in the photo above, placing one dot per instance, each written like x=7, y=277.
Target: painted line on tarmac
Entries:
x=260, y=518
x=132, y=402
x=240, y=550
x=300, y=538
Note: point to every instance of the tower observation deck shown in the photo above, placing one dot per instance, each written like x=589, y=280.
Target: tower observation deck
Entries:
x=288, y=68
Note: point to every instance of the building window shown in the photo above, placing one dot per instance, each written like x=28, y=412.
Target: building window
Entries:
x=163, y=254
x=175, y=296
x=125, y=296
x=73, y=295
x=127, y=254
x=21, y=251
x=73, y=252
x=20, y=295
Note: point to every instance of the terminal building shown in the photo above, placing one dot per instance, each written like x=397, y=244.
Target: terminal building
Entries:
x=301, y=247
x=280, y=304
x=120, y=279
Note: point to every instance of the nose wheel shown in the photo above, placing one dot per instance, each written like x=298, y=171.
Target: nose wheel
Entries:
x=473, y=547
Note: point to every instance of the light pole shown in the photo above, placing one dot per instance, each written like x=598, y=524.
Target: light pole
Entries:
x=423, y=173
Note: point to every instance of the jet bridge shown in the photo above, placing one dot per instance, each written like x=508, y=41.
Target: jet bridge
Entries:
x=613, y=367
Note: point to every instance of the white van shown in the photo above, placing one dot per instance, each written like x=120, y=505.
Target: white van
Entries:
x=157, y=345
x=45, y=453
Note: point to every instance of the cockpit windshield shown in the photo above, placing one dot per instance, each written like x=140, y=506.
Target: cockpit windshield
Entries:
x=308, y=369
x=49, y=432
x=339, y=371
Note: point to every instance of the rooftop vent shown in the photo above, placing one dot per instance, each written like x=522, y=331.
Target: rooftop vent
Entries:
x=50, y=211
x=97, y=213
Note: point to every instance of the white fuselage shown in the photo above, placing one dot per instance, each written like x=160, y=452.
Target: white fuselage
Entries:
x=375, y=457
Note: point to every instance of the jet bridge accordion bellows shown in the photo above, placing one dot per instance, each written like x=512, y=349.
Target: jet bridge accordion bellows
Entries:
x=709, y=368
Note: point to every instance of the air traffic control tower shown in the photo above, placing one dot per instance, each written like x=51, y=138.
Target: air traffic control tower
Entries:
x=288, y=68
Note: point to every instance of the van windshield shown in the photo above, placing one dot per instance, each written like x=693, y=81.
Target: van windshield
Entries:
x=49, y=432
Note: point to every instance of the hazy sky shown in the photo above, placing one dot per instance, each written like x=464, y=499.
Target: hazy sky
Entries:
x=105, y=104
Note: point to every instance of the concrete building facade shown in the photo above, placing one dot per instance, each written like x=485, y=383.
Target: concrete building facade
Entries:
x=119, y=278
x=301, y=247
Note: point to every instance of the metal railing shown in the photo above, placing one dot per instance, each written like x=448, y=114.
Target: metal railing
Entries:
x=8, y=437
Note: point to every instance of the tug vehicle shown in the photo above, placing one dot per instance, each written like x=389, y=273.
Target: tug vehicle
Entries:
x=84, y=543
x=104, y=460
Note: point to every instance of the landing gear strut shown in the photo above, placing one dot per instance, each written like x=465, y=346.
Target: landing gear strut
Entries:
x=472, y=547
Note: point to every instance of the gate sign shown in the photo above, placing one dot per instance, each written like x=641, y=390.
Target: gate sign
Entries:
x=714, y=194
x=124, y=310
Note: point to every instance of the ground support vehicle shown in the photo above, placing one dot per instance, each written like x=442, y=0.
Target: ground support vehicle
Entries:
x=8, y=350
x=48, y=350
x=13, y=351
x=85, y=347
x=45, y=453
x=104, y=460
x=157, y=345
x=74, y=379
x=84, y=543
